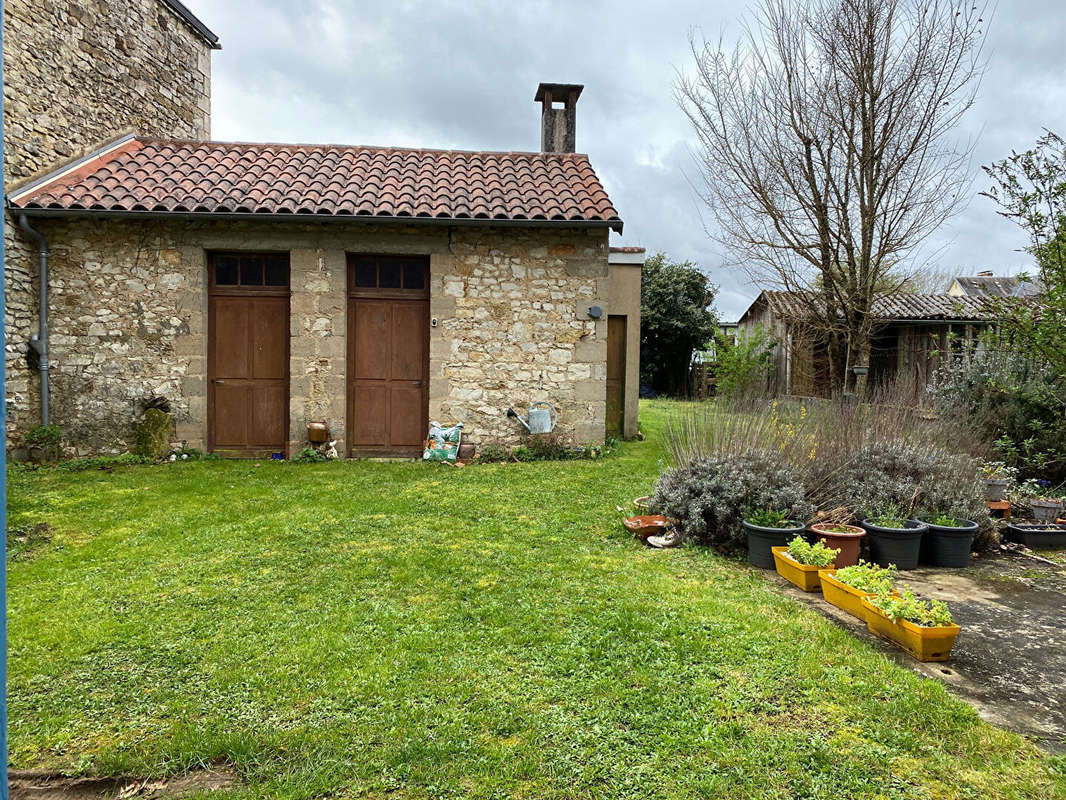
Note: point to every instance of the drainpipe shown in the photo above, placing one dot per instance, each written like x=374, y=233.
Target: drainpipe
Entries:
x=39, y=341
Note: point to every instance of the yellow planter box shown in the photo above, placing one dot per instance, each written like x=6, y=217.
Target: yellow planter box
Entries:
x=803, y=576
x=846, y=598
x=925, y=644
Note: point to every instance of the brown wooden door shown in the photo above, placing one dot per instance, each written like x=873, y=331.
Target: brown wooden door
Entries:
x=616, y=374
x=248, y=358
x=388, y=356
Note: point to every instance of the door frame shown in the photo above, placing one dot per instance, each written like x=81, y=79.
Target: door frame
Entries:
x=376, y=293
x=213, y=291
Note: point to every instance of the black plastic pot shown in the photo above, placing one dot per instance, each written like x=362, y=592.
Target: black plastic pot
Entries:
x=1038, y=536
x=760, y=540
x=899, y=546
x=948, y=547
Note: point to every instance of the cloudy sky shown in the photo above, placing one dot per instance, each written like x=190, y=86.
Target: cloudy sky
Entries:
x=462, y=73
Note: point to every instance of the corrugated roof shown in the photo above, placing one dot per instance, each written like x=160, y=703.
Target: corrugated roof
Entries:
x=212, y=178
x=903, y=307
x=996, y=286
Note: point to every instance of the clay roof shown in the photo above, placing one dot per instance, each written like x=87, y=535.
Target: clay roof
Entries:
x=215, y=178
x=901, y=308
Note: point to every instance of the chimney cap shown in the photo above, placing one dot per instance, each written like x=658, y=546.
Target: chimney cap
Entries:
x=986, y=273
x=559, y=92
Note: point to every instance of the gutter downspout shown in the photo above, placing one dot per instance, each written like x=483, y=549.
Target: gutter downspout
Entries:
x=39, y=341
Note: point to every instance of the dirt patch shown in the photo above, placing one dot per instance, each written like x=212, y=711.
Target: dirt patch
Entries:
x=23, y=542
x=38, y=785
x=1009, y=662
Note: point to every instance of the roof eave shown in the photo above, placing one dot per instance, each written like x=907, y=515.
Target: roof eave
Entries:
x=615, y=225
x=194, y=22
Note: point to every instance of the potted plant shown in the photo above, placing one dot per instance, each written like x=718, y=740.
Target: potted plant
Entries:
x=948, y=541
x=1038, y=535
x=767, y=529
x=845, y=588
x=894, y=539
x=846, y=539
x=997, y=476
x=924, y=628
x=800, y=562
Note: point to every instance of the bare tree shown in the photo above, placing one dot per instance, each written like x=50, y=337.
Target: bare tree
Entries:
x=826, y=147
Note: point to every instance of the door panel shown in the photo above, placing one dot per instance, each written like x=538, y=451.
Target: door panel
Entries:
x=616, y=374
x=388, y=389
x=408, y=340
x=371, y=339
x=229, y=337
x=248, y=365
x=370, y=414
x=270, y=333
x=405, y=405
x=230, y=418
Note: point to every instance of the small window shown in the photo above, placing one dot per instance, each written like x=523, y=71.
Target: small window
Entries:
x=277, y=270
x=366, y=273
x=414, y=275
x=225, y=270
x=251, y=271
x=389, y=275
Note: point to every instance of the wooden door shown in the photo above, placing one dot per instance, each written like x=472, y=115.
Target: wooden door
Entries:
x=616, y=374
x=388, y=355
x=248, y=354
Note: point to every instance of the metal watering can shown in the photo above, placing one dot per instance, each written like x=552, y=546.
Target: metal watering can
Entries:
x=542, y=417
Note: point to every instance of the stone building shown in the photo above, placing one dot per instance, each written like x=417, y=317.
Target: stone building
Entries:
x=263, y=287
x=78, y=73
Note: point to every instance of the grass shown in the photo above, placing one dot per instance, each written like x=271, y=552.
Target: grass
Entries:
x=414, y=631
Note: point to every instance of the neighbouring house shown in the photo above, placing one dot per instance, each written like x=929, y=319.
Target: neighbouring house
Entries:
x=261, y=287
x=912, y=334
x=986, y=284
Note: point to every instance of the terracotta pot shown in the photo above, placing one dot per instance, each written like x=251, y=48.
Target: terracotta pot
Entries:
x=644, y=526
x=925, y=644
x=847, y=543
x=761, y=542
x=805, y=577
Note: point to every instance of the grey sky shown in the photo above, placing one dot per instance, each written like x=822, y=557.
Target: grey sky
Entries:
x=462, y=75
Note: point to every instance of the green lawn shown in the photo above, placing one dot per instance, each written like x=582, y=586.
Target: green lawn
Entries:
x=410, y=631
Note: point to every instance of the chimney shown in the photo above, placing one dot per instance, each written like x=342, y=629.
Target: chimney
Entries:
x=558, y=116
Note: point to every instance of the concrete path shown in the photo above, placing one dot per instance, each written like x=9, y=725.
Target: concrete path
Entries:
x=1009, y=662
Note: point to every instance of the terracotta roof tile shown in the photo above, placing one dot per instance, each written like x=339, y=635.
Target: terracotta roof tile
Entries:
x=215, y=177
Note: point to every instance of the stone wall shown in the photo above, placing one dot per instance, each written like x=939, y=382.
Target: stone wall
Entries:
x=77, y=74
x=514, y=328
x=129, y=320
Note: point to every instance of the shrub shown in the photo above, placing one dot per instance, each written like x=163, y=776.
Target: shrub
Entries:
x=768, y=518
x=309, y=456
x=708, y=496
x=911, y=478
x=744, y=366
x=492, y=453
x=45, y=439
x=1017, y=405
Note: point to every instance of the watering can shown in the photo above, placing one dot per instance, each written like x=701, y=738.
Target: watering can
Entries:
x=542, y=417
